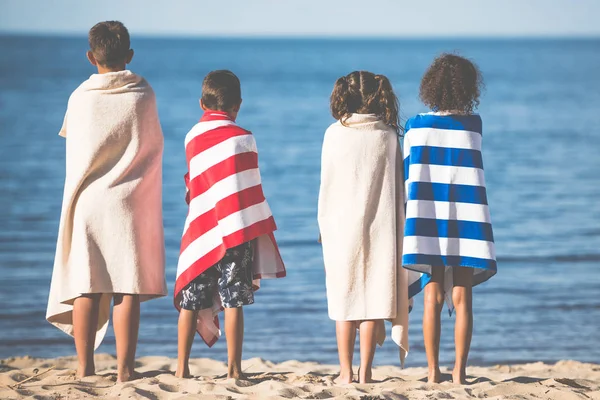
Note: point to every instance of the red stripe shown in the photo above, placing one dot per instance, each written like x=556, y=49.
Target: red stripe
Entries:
x=198, y=267
x=251, y=232
x=208, y=139
x=224, y=208
x=230, y=166
x=264, y=227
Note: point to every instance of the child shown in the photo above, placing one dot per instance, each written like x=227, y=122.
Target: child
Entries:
x=110, y=240
x=361, y=220
x=228, y=241
x=448, y=231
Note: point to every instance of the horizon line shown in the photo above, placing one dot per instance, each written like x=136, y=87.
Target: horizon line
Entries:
x=316, y=36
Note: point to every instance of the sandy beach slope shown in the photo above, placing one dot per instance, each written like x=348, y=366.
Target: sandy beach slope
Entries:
x=564, y=380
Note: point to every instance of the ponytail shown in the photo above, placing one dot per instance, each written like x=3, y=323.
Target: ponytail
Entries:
x=387, y=102
x=339, y=100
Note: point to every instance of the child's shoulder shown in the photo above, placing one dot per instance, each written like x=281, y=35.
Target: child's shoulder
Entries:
x=215, y=130
x=434, y=120
x=336, y=125
x=241, y=130
x=129, y=82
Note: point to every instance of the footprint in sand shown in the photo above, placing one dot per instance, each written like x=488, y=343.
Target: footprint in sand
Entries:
x=24, y=392
x=168, y=388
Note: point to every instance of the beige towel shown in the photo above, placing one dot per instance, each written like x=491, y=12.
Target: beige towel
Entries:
x=361, y=220
x=110, y=238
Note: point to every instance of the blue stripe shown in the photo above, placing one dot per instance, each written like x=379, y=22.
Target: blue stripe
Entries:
x=447, y=192
x=406, y=167
x=449, y=229
x=448, y=261
x=471, y=123
x=446, y=156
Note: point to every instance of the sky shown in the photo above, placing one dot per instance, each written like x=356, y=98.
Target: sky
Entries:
x=322, y=18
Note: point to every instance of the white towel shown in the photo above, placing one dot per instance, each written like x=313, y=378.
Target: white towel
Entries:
x=110, y=238
x=361, y=221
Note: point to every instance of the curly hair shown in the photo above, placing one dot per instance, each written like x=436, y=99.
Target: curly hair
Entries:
x=451, y=83
x=365, y=93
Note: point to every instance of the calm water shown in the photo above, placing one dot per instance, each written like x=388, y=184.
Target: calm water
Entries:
x=542, y=139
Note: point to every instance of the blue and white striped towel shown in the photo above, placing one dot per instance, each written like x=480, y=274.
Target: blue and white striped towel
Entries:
x=447, y=217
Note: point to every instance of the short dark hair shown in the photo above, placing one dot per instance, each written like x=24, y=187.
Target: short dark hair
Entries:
x=364, y=92
x=109, y=43
x=221, y=90
x=451, y=83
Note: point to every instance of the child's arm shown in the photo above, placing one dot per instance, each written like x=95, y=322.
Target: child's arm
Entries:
x=186, y=177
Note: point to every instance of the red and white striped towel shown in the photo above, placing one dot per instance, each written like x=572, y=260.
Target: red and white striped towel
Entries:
x=227, y=207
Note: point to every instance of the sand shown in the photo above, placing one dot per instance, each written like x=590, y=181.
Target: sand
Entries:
x=564, y=380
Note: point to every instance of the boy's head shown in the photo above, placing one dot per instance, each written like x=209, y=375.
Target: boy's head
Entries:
x=221, y=91
x=109, y=46
x=451, y=83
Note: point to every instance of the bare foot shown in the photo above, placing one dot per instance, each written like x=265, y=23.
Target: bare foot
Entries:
x=183, y=373
x=126, y=375
x=459, y=377
x=435, y=376
x=84, y=371
x=343, y=379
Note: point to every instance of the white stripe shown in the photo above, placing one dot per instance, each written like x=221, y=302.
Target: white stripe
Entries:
x=449, y=138
x=198, y=248
x=244, y=218
x=225, y=187
x=446, y=174
x=213, y=238
x=205, y=126
x=448, y=211
x=449, y=247
x=220, y=152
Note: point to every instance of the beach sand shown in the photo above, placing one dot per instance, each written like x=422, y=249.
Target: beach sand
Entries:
x=564, y=380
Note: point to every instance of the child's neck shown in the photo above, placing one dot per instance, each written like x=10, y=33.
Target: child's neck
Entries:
x=231, y=114
x=450, y=112
x=106, y=70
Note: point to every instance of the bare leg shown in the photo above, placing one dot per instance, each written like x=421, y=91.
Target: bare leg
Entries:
x=234, y=332
x=85, y=321
x=185, y=337
x=462, y=297
x=346, y=337
x=434, y=302
x=126, y=320
x=368, y=342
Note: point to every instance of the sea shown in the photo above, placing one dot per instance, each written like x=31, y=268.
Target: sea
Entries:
x=541, y=118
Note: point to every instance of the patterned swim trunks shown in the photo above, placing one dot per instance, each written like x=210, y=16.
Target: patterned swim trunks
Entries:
x=231, y=277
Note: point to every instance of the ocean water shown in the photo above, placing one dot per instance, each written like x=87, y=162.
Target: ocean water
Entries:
x=541, y=152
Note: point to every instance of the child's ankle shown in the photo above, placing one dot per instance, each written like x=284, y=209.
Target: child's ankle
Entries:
x=365, y=375
x=183, y=371
x=234, y=371
x=435, y=375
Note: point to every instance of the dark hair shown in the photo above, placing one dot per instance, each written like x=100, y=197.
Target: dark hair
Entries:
x=221, y=90
x=451, y=83
x=109, y=43
x=365, y=93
